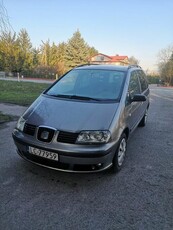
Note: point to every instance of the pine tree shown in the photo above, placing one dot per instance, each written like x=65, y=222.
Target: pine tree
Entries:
x=25, y=58
x=92, y=52
x=76, y=51
x=53, y=55
x=60, y=66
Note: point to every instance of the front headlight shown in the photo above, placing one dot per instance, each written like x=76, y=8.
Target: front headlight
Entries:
x=90, y=137
x=20, y=124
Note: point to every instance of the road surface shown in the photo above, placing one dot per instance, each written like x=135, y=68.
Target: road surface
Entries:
x=138, y=197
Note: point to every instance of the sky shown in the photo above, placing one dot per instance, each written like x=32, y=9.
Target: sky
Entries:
x=139, y=28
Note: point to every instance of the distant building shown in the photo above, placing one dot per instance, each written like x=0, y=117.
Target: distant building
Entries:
x=110, y=60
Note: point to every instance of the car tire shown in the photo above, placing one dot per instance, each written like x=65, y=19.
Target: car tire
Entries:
x=143, y=121
x=120, y=154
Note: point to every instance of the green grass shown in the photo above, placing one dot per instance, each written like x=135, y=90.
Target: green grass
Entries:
x=21, y=93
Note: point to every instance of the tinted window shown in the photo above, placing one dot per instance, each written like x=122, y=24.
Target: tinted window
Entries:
x=134, y=87
x=98, y=84
x=142, y=78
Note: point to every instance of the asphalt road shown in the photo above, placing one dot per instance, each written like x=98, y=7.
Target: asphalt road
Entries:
x=139, y=197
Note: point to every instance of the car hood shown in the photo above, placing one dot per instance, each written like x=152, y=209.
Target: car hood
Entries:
x=70, y=115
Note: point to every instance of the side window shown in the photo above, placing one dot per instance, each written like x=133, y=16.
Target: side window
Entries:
x=134, y=87
x=143, y=81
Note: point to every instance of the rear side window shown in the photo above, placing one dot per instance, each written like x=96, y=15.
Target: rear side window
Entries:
x=134, y=87
x=143, y=81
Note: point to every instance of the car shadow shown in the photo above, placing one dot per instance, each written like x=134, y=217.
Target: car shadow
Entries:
x=62, y=178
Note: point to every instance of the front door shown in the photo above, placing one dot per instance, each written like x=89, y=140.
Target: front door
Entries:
x=133, y=108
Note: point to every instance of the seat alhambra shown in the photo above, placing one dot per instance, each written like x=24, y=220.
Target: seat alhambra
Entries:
x=83, y=121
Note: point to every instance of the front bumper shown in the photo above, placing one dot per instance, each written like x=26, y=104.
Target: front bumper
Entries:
x=72, y=157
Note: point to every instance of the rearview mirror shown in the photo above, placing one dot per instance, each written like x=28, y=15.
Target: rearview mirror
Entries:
x=139, y=97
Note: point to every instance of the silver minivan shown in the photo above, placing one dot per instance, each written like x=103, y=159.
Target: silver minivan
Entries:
x=83, y=121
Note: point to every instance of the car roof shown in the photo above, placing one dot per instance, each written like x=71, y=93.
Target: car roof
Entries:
x=107, y=67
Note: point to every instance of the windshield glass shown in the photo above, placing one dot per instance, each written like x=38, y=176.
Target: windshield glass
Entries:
x=89, y=84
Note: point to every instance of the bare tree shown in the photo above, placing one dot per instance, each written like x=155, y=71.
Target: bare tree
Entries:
x=133, y=61
x=164, y=55
x=5, y=25
x=165, y=64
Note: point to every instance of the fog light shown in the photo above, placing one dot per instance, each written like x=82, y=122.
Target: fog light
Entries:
x=97, y=166
x=93, y=167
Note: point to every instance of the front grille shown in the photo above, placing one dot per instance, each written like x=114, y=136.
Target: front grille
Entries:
x=29, y=129
x=64, y=137
x=67, y=137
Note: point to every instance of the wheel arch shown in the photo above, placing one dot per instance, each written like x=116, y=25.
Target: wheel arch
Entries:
x=127, y=132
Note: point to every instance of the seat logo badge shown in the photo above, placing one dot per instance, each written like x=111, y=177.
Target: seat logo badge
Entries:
x=44, y=135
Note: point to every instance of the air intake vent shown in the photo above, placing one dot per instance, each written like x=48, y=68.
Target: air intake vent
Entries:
x=67, y=137
x=45, y=134
x=29, y=129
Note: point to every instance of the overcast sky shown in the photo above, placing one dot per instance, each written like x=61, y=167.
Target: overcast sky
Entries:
x=131, y=27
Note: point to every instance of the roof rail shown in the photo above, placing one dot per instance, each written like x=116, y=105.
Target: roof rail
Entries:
x=131, y=66
x=85, y=65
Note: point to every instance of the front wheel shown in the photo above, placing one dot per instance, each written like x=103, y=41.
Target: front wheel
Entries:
x=120, y=154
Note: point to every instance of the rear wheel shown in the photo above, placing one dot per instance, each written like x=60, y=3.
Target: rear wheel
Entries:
x=120, y=153
x=144, y=119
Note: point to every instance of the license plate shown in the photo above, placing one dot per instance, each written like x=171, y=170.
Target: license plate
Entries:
x=43, y=153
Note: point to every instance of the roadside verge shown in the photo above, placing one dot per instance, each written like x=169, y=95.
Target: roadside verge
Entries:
x=10, y=112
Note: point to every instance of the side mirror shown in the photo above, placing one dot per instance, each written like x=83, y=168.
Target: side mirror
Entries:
x=138, y=97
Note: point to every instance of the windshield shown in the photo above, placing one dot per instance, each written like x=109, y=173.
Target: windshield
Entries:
x=89, y=84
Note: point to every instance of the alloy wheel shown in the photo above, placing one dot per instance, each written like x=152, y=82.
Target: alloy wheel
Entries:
x=122, y=151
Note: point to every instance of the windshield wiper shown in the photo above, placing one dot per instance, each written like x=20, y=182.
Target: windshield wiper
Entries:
x=84, y=98
x=60, y=95
x=74, y=97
